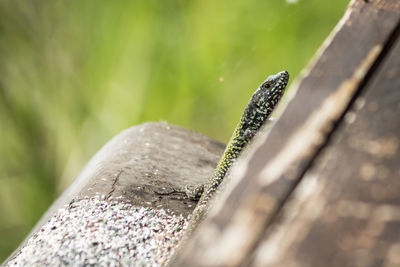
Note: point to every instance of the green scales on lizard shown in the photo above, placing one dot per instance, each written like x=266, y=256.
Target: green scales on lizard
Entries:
x=255, y=115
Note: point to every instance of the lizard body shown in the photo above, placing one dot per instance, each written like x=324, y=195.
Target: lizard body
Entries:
x=255, y=115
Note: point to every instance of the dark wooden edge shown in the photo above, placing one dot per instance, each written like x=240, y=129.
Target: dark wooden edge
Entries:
x=342, y=68
x=346, y=209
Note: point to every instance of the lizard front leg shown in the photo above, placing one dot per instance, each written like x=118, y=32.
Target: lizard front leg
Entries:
x=194, y=194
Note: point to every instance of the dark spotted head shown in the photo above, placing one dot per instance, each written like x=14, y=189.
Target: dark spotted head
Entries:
x=270, y=91
x=263, y=102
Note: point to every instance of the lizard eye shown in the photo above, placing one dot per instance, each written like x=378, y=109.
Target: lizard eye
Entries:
x=267, y=85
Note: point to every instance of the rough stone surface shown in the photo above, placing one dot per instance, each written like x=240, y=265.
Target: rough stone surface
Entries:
x=103, y=233
x=133, y=169
x=149, y=159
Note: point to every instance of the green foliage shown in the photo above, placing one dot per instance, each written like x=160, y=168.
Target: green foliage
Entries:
x=75, y=73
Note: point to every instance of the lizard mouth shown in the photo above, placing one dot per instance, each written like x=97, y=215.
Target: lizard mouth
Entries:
x=264, y=100
x=275, y=83
x=279, y=82
x=284, y=77
x=274, y=87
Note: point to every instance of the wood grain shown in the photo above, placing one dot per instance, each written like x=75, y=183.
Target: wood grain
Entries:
x=341, y=71
x=346, y=210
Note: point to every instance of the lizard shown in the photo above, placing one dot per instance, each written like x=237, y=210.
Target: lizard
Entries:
x=257, y=112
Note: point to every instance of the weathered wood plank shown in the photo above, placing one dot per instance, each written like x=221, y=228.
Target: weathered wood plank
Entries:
x=346, y=210
x=233, y=228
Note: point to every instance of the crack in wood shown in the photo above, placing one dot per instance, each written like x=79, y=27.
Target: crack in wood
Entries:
x=114, y=184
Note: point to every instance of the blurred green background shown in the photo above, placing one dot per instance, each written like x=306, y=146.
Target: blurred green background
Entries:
x=75, y=73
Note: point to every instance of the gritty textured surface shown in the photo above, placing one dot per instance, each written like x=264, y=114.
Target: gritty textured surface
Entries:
x=141, y=162
x=93, y=231
x=149, y=159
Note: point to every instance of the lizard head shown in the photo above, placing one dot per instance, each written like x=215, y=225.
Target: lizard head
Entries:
x=275, y=85
x=263, y=102
x=267, y=96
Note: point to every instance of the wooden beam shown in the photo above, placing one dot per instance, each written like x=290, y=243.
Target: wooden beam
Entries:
x=346, y=210
x=342, y=68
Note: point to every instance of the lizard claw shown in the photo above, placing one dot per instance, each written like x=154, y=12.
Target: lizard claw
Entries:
x=194, y=194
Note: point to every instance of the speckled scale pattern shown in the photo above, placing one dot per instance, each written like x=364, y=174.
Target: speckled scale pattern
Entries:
x=255, y=115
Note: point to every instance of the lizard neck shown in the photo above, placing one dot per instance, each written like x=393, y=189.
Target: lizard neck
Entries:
x=255, y=115
x=244, y=132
